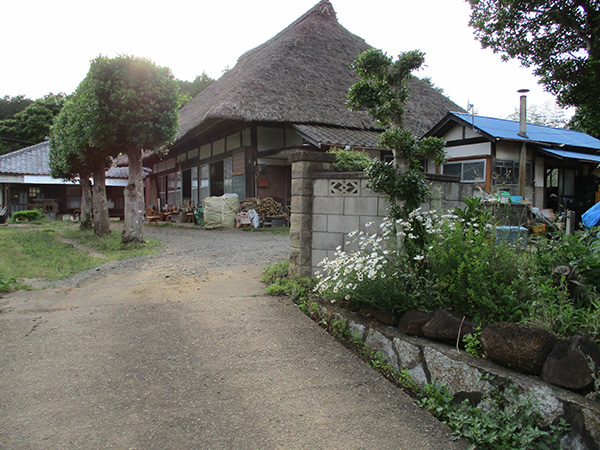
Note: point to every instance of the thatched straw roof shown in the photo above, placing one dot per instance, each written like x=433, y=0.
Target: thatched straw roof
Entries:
x=302, y=75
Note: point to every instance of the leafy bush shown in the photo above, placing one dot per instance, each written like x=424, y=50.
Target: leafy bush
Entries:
x=275, y=272
x=453, y=261
x=475, y=276
x=350, y=160
x=28, y=216
x=276, y=277
x=504, y=419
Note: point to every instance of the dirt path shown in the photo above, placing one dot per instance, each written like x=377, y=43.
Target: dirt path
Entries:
x=183, y=351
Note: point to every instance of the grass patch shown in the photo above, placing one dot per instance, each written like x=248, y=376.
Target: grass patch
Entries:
x=37, y=252
x=110, y=245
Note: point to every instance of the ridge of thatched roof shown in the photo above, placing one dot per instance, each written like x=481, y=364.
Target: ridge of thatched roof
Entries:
x=302, y=75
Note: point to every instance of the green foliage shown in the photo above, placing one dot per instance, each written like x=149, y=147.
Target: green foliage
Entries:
x=405, y=191
x=28, y=216
x=472, y=343
x=136, y=104
x=560, y=39
x=552, y=308
x=32, y=124
x=454, y=262
x=10, y=106
x=382, y=91
x=189, y=89
x=276, y=276
x=505, y=419
x=476, y=277
x=297, y=288
x=275, y=272
x=350, y=160
x=7, y=284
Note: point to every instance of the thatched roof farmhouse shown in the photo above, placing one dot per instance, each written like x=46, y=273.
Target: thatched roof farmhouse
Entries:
x=288, y=92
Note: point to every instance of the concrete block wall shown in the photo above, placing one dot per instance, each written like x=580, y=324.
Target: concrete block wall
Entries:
x=343, y=203
x=328, y=205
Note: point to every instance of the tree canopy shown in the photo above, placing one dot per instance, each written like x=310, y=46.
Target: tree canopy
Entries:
x=32, y=124
x=136, y=102
x=189, y=89
x=559, y=39
x=9, y=106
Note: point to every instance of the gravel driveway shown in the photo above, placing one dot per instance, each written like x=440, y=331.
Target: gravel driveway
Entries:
x=184, y=351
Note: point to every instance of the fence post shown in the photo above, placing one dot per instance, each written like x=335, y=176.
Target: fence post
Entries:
x=304, y=163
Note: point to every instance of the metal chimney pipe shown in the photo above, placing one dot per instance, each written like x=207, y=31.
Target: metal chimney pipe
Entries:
x=523, y=133
x=523, y=113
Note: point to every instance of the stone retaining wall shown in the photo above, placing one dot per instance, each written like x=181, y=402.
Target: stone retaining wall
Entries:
x=427, y=361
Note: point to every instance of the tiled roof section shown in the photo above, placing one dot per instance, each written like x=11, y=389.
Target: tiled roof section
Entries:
x=509, y=129
x=34, y=161
x=339, y=137
x=27, y=161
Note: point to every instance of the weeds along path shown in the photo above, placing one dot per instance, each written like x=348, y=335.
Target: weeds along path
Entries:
x=183, y=351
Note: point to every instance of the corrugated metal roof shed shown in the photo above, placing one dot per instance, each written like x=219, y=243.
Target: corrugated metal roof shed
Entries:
x=509, y=129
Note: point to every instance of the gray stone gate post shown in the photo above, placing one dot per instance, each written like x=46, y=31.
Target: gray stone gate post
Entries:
x=304, y=163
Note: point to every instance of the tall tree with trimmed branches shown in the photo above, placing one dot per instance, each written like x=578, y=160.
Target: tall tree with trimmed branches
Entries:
x=137, y=109
x=382, y=91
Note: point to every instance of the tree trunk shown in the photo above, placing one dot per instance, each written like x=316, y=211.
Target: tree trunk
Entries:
x=100, y=204
x=134, y=199
x=85, y=217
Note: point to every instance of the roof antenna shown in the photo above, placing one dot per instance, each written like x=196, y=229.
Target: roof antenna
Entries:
x=471, y=109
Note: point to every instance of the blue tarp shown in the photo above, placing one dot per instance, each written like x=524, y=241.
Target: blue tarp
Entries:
x=591, y=217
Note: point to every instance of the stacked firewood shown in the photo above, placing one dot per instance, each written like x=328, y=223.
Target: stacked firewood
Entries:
x=268, y=207
x=249, y=203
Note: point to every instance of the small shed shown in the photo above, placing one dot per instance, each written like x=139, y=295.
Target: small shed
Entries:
x=26, y=183
x=561, y=165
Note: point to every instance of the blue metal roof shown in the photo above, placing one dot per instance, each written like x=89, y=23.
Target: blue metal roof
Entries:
x=572, y=155
x=509, y=129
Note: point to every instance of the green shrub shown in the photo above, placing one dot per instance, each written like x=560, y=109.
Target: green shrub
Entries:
x=297, y=288
x=31, y=215
x=276, y=271
x=476, y=277
x=350, y=160
x=454, y=262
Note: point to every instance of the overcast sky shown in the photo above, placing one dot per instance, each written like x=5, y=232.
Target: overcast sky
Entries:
x=47, y=45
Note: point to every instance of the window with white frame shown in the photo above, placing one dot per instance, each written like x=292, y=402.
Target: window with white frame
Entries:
x=468, y=171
